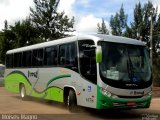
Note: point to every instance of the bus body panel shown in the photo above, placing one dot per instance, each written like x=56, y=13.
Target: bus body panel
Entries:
x=49, y=83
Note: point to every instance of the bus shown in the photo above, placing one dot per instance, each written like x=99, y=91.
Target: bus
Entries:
x=2, y=68
x=96, y=71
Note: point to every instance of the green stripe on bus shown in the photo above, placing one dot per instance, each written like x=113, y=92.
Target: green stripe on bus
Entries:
x=13, y=80
x=58, y=77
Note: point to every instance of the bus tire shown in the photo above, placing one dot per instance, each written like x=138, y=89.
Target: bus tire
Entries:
x=23, y=92
x=72, y=101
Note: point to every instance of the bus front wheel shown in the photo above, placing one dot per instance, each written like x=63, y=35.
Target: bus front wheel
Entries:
x=23, y=92
x=72, y=101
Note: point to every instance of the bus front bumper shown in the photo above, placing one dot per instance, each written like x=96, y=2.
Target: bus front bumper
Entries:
x=105, y=102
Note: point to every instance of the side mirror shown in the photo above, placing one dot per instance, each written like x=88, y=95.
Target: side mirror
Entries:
x=99, y=54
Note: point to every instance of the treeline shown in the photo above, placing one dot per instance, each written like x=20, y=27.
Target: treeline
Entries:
x=43, y=24
x=139, y=28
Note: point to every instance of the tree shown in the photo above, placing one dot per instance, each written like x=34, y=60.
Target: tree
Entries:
x=102, y=29
x=118, y=22
x=18, y=35
x=5, y=24
x=25, y=33
x=52, y=25
x=128, y=33
x=6, y=41
x=142, y=23
x=137, y=25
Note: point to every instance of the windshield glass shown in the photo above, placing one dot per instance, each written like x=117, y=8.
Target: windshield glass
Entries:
x=124, y=62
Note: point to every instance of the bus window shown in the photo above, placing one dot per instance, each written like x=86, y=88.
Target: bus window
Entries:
x=62, y=55
x=26, y=60
x=87, y=60
x=67, y=55
x=50, y=56
x=17, y=59
x=37, y=57
x=9, y=60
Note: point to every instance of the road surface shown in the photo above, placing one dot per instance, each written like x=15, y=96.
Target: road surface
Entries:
x=12, y=107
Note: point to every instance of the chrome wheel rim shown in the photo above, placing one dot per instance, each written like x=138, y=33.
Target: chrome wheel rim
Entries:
x=22, y=92
x=68, y=100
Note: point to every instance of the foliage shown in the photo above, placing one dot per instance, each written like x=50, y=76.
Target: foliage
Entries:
x=102, y=29
x=52, y=25
x=118, y=22
x=18, y=35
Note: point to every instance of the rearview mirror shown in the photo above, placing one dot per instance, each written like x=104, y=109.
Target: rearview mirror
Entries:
x=99, y=54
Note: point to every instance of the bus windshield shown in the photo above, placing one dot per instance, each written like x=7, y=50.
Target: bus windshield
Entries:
x=124, y=63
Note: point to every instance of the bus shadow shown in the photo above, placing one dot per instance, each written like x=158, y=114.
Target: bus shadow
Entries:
x=133, y=114
x=43, y=101
x=93, y=113
x=113, y=114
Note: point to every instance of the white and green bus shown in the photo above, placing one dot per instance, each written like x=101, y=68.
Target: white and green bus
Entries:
x=96, y=71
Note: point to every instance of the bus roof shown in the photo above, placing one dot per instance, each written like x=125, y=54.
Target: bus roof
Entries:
x=1, y=65
x=119, y=39
x=95, y=37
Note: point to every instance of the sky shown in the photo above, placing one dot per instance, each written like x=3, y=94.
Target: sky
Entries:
x=87, y=13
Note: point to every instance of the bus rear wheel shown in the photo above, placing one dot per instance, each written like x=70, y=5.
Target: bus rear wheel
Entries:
x=72, y=101
x=23, y=92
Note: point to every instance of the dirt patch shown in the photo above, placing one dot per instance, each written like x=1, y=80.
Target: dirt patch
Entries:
x=156, y=91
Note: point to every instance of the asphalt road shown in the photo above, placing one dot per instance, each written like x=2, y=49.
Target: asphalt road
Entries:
x=13, y=108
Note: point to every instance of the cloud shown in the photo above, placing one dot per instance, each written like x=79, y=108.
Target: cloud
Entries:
x=84, y=22
x=14, y=10
x=88, y=24
x=156, y=3
x=5, y=2
x=67, y=7
x=84, y=3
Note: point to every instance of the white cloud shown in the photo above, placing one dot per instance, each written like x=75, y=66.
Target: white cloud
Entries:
x=66, y=6
x=83, y=23
x=13, y=10
x=6, y=2
x=156, y=3
x=85, y=3
x=88, y=24
x=158, y=8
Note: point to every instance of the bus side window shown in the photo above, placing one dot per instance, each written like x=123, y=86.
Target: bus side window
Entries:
x=71, y=55
x=50, y=56
x=17, y=59
x=67, y=55
x=37, y=57
x=87, y=60
x=9, y=60
x=62, y=54
x=26, y=59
